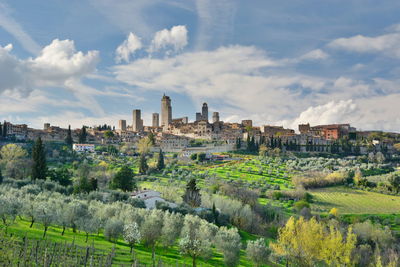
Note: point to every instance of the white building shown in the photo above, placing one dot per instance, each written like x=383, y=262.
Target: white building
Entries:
x=150, y=198
x=83, y=147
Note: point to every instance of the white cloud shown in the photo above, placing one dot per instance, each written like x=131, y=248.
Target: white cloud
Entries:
x=175, y=38
x=316, y=54
x=128, y=48
x=10, y=25
x=57, y=65
x=329, y=113
x=388, y=44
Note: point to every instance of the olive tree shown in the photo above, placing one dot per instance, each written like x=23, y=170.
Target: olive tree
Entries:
x=151, y=230
x=132, y=234
x=113, y=229
x=9, y=209
x=257, y=251
x=172, y=228
x=228, y=242
x=196, y=238
x=45, y=214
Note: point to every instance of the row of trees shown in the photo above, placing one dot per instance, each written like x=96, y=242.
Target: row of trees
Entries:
x=194, y=236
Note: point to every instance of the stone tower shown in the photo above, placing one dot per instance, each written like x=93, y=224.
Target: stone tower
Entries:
x=215, y=117
x=204, y=112
x=156, y=120
x=166, y=111
x=122, y=125
x=137, y=124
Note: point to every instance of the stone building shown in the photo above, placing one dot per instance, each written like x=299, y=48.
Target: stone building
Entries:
x=137, y=124
x=122, y=125
x=204, y=112
x=215, y=117
x=166, y=111
x=156, y=120
x=247, y=123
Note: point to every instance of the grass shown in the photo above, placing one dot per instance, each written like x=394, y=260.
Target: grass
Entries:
x=352, y=201
x=169, y=256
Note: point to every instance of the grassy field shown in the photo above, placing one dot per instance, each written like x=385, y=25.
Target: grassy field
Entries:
x=169, y=256
x=350, y=201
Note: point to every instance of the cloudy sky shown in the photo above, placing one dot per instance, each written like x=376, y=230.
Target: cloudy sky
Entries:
x=276, y=62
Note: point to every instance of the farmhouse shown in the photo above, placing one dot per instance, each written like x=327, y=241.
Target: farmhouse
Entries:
x=150, y=197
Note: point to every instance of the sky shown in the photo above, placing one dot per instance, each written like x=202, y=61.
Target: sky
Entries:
x=90, y=62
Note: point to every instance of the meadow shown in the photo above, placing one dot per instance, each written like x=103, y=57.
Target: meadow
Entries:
x=353, y=201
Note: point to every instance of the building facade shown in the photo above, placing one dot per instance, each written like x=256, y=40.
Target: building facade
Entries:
x=137, y=124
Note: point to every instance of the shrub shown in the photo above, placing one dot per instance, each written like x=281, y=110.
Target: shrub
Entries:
x=299, y=205
x=113, y=230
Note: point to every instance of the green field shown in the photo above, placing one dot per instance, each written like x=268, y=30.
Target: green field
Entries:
x=169, y=256
x=351, y=201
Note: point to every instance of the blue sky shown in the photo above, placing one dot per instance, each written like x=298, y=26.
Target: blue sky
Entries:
x=276, y=62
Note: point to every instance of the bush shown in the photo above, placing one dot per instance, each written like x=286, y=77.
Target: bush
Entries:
x=299, y=205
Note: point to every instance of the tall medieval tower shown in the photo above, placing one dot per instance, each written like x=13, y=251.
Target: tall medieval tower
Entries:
x=204, y=112
x=166, y=111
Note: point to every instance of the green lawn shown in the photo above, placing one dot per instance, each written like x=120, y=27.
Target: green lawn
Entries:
x=351, y=201
x=170, y=256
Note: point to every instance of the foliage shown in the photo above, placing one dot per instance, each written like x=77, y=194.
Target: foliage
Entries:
x=113, y=229
x=304, y=243
x=228, y=242
x=131, y=234
x=68, y=140
x=61, y=175
x=108, y=134
x=192, y=194
x=82, y=135
x=143, y=167
x=144, y=145
x=394, y=181
x=160, y=161
x=39, y=167
x=257, y=251
x=124, y=179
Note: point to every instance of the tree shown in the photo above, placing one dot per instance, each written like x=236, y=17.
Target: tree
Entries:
x=263, y=150
x=144, y=145
x=201, y=157
x=39, y=167
x=108, y=134
x=196, y=238
x=82, y=135
x=45, y=214
x=143, y=167
x=258, y=252
x=61, y=175
x=9, y=208
x=160, y=161
x=88, y=224
x=152, y=138
x=304, y=243
x=379, y=157
x=228, y=241
x=193, y=156
x=192, y=195
x=123, y=179
x=68, y=140
x=75, y=210
x=172, y=228
x=132, y=234
x=1, y=177
x=113, y=229
x=151, y=230
x=12, y=157
x=238, y=143
x=82, y=184
x=394, y=181
x=334, y=212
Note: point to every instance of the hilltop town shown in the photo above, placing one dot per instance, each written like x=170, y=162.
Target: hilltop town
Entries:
x=211, y=135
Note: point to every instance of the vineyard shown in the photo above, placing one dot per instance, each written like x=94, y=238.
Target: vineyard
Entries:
x=351, y=201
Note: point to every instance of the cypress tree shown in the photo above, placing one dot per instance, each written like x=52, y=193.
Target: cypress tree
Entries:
x=68, y=140
x=143, y=167
x=39, y=167
x=1, y=177
x=160, y=162
x=192, y=195
x=82, y=135
x=4, y=129
x=1, y=130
